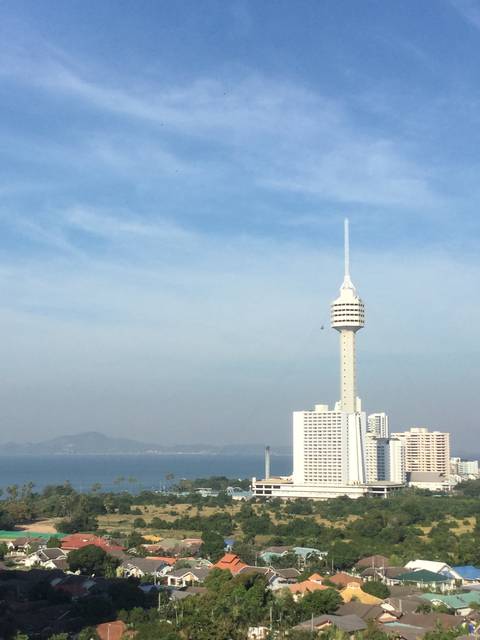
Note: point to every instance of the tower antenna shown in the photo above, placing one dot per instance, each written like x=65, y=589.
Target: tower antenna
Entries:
x=347, y=247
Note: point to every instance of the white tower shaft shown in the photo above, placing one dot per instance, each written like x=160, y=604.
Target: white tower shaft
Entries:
x=348, y=385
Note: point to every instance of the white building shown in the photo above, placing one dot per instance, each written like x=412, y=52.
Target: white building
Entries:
x=426, y=450
x=328, y=447
x=329, y=457
x=384, y=459
x=464, y=468
x=377, y=423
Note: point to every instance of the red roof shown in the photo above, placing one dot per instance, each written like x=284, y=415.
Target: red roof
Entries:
x=113, y=630
x=165, y=559
x=231, y=562
x=80, y=540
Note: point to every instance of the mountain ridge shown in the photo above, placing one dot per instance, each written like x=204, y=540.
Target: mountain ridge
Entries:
x=94, y=442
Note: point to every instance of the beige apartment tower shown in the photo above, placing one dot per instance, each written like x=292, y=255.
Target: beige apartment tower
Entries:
x=425, y=450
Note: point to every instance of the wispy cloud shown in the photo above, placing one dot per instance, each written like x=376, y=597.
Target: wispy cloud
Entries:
x=278, y=134
x=469, y=9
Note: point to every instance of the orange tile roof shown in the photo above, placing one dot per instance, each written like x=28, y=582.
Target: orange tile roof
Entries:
x=316, y=577
x=166, y=559
x=231, y=562
x=305, y=587
x=342, y=579
x=114, y=630
x=80, y=540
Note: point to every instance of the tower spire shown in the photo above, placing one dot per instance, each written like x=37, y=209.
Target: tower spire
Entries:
x=347, y=282
x=346, y=241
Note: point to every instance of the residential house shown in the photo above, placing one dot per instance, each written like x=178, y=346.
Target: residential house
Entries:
x=344, y=579
x=79, y=540
x=281, y=578
x=272, y=553
x=403, y=604
x=316, y=577
x=76, y=586
x=299, y=589
x=177, y=546
x=387, y=575
x=165, y=559
x=22, y=546
x=141, y=567
x=366, y=612
x=372, y=561
x=181, y=578
x=412, y=626
x=424, y=579
x=353, y=591
x=228, y=544
x=230, y=562
x=460, y=603
x=349, y=624
x=309, y=553
x=467, y=573
x=177, y=595
x=434, y=566
x=116, y=630
x=45, y=557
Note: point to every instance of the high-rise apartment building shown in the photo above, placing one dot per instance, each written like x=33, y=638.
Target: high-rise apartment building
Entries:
x=425, y=450
x=384, y=459
x=328, y=447
x=377, y=423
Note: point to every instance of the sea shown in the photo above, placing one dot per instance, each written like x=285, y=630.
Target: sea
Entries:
x=134, y=472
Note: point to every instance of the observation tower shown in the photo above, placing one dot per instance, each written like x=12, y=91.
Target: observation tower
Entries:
x=347, y=317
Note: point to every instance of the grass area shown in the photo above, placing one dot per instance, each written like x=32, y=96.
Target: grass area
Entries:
x=464, y=525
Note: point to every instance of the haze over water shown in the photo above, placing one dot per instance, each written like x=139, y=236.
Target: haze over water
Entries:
x=149, y=471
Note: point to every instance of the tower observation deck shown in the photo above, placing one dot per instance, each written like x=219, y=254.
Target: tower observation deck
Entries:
x=347, y=317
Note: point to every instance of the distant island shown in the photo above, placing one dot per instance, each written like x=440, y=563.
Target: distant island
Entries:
x=92, y=442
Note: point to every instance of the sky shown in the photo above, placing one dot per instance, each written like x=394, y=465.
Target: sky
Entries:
x=173, y=180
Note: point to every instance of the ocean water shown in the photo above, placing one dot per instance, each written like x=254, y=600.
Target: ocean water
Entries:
x=139, y=471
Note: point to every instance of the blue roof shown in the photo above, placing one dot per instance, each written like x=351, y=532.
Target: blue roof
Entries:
x=468, y=572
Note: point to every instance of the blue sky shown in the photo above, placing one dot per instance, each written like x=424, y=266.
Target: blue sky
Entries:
x=173, y=177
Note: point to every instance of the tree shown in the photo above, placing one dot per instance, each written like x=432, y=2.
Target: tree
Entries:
x=92, y=560
x=126, y=595
x=246, y=552
x=89, y=633
x=318, y=602
x=139, y=523
x=80, y=521
x=53, y=542
x=376, y=588
x=213, y=545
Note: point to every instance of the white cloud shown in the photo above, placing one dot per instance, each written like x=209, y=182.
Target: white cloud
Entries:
x=268, y=133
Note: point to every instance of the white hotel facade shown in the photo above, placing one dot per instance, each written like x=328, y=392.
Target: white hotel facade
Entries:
x=332, y=455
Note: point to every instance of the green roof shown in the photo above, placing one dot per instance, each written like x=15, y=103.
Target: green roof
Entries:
x=11, y=535
x=457, y=601
x=422, y=576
